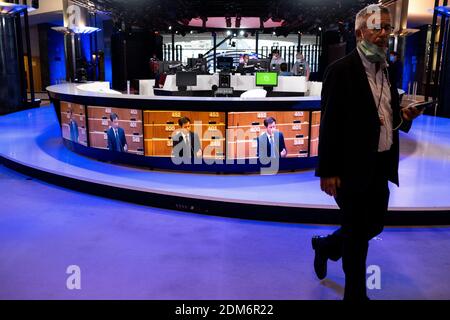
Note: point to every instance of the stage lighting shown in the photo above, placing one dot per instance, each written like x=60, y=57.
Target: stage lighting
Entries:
x=228, y=22
x=238, y=22
x=185, y=21
x=241, y=33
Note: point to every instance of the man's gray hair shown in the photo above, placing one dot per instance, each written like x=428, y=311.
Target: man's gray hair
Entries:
x=372, y=11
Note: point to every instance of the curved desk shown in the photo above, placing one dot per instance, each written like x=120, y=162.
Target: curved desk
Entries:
x=31, y=144
x=227, y=127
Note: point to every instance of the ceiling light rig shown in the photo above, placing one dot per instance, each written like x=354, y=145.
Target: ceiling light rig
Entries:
x=292, y=15
x=238, y=22
x=228, y=22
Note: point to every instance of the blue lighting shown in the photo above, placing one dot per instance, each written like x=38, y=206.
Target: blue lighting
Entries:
x=444, y=10
x=86, y=49
x=76, y=30
x=56, y=57
x=10, y=8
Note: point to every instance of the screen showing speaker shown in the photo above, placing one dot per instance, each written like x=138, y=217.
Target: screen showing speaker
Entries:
x=202, y=132
x=116, y=129
x=73, y=122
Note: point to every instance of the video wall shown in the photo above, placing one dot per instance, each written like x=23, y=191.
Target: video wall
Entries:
x=73, y=122
x=162, y=128
x=245, y=128
x=116, y=129
x=207, y=135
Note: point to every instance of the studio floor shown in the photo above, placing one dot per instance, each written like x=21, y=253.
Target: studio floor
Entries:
x=127, y=251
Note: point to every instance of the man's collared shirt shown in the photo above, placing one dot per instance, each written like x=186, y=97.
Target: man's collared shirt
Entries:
x=379, y=84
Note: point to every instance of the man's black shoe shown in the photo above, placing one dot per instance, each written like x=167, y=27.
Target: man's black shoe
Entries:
x=320, y=258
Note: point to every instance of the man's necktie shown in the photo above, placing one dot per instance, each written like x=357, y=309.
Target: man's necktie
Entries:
x=118, y=144
x=272, y=147
x=188, y=143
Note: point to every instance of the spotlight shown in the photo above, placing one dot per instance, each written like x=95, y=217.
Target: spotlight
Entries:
x=241, y=33
x=228, y=33
x=276, y=18
x=238, y=22
x=228, y=22
x=170, y=27
x=185, y=21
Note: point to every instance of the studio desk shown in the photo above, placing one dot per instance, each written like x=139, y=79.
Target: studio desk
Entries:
x=228, y=127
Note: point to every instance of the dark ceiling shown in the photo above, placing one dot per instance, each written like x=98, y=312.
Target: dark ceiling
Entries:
x=299, y=15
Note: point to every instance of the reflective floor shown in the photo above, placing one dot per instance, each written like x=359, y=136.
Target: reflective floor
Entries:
x=127, y=251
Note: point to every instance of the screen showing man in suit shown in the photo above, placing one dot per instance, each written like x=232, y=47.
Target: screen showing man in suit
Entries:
x=116, y=135
x=73, y=127
x=186, y=144
x=271, y=143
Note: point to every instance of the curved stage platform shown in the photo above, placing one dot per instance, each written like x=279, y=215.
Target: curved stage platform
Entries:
x=31, y=143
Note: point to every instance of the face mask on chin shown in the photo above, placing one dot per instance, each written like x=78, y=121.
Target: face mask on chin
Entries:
x=371, y=51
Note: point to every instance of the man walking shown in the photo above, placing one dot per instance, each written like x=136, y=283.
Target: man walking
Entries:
x=359, y=147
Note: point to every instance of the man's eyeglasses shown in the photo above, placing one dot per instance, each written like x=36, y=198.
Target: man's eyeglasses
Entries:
x=387, y=28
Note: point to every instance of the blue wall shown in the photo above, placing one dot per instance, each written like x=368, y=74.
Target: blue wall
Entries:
x=56, y=57
x=104, y=38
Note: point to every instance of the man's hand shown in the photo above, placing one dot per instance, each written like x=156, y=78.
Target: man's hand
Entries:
x=330, y=185
x=410, y=114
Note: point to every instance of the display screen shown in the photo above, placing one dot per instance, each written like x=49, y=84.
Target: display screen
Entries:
x=73, y=122
x=202, y=132
x=116, y=129
x=248, y=131
x=266, y=79
x=184, y=79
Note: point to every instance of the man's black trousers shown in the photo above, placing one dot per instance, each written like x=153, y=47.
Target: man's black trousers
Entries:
x=363, y=208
